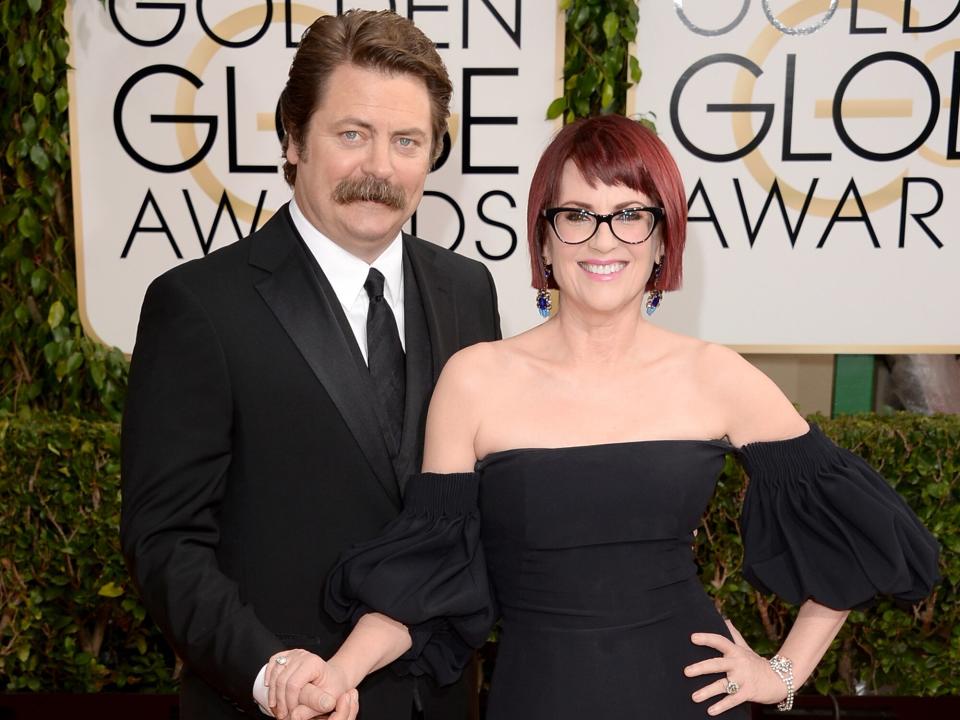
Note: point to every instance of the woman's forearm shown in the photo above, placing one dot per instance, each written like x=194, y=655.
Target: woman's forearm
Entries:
x=375, y=641
x=809, y=639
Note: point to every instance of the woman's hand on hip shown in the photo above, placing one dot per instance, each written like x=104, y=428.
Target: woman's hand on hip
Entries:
x=748, y=676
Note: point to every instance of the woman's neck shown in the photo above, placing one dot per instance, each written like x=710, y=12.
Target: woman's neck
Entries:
x=604, y=338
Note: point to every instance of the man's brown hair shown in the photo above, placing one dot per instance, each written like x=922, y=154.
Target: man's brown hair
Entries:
x=382, y=41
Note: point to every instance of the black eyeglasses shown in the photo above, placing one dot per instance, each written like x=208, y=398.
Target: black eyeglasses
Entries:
x=632, y=225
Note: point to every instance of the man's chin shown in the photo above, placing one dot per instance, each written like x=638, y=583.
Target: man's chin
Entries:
x=375, y=233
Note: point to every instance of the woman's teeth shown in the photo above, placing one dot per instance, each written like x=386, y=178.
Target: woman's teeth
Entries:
x=605, y=269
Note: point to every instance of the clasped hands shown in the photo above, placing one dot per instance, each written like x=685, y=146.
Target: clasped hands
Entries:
x=747, y=676
x=306, y=686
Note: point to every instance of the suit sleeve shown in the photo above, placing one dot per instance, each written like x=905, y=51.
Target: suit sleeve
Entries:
x=494, y=305
x=176, y=449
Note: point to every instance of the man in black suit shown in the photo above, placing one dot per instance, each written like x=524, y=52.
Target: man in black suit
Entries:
x=278, y=389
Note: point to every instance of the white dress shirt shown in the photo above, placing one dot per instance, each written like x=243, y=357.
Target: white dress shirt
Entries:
x=347, y=273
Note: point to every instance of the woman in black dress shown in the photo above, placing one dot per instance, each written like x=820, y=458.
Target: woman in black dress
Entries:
x=566, y=469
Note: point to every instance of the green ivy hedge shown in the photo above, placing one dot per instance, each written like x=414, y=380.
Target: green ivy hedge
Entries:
x=597, y=65
x=46, y=360
x=70, y=620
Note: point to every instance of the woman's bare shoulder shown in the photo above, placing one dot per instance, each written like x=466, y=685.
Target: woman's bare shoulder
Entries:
x=474, y=361
x=756, y=409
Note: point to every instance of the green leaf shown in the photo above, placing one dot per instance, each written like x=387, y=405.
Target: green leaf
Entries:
x=582, y=106
x=39, y=103
x=51, y=352
x=62, y=98
x=611, y=24
x=98, y=372
x=62, y=48
x=39, y=157
x=556, y=108
x=648, y=124
x=48, y=187
x=48, y=134
x=74, y=362
x=83, y=658
x=21, y=314
x=635, y=72
x=110, y=590
x=580, y=16
x=606, y=98
x=39, y=281
x=56, y=314
x=34, y=6
x=28, y=125
x=8, y=213
x=28, y=225
x=587, y=83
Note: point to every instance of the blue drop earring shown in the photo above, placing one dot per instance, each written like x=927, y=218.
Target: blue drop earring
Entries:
x=656, y=295
x=543, y=295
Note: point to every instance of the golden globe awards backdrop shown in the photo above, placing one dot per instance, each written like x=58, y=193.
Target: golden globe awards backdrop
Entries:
x=174, y=135
x=818, y=142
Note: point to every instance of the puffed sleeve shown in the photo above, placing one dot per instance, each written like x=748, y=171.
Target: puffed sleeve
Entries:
x=818, y=522
x=426, y=570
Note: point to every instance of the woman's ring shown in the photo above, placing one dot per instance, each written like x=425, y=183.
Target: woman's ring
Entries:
x=282, y=660
x=732, y=687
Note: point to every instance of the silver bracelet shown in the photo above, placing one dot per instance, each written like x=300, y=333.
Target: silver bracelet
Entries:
x=783, y=667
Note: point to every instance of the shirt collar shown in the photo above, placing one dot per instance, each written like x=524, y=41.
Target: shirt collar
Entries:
x=347, y=273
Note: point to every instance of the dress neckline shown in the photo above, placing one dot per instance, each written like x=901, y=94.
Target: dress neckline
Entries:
x=496, y=454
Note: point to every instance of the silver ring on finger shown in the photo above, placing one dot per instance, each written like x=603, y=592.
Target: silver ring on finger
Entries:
x=732, y=687
x=281, y=660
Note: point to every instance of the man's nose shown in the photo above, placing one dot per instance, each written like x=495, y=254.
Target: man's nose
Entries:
x=379, y=160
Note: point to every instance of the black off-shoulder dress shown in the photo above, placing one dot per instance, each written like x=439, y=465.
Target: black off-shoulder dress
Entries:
x=585, y=554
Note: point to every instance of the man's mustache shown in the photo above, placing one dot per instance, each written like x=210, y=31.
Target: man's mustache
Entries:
x=369, y=189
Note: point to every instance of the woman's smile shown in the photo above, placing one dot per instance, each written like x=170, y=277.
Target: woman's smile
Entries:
x=603, y=271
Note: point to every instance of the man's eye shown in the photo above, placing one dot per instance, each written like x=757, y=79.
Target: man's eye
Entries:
x=406, y=142
x=351, y=135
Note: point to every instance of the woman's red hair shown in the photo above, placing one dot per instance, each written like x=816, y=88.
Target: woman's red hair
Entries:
x=612, y=150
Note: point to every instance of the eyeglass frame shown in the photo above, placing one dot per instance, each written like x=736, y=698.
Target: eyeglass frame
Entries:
x=550, y=214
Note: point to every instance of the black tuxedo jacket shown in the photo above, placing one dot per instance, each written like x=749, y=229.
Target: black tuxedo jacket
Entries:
x=253, y=454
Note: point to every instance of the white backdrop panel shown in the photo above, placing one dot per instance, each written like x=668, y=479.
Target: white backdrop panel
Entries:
x=153, y=85
x=854, y=97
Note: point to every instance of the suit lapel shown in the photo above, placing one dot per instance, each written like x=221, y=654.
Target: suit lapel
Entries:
x=419, y=377
x=436, y=292
x=305, y=305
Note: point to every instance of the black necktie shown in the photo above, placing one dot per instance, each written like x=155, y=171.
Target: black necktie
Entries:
x=385, y=356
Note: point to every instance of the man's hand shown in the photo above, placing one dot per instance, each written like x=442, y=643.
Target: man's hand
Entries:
x=313, y=698
x=290, y=671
